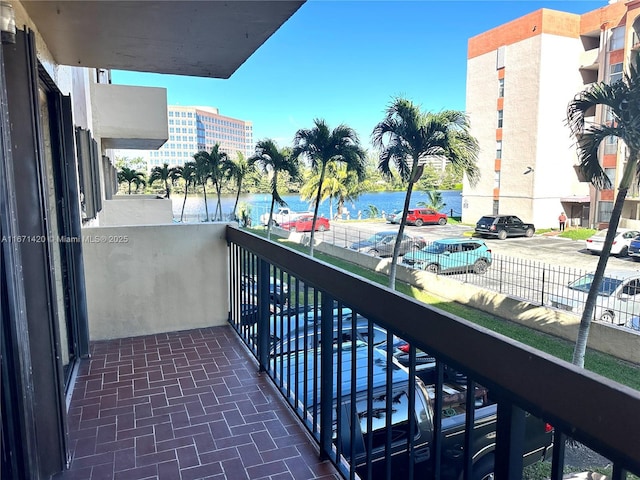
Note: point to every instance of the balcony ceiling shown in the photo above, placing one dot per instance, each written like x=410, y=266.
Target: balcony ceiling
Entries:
x=196, y=38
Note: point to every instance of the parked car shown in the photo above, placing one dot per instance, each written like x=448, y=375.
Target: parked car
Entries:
x=369, y=424
x=451, y=255
x=382, y=243
x=304, y=223
x=277, y=291
x=618, y=298
x=634, y=249
x=419, y=217
x=503, y=226
x=621, y=241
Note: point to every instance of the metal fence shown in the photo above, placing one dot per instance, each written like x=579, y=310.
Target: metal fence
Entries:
x=553, y=286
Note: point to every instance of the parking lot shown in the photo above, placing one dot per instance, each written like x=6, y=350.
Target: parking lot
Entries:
x=548, y=249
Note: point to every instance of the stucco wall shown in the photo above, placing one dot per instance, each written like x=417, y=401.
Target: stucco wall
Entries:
x=150, y=279
x=136, y=210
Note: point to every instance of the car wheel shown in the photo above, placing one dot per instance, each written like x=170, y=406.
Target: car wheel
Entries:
x=442, y=221
x=480, y=267
x=529, y=233
x=623, y=252
x=322, y=228
x=373, y=252
x=419, y=223
x=433, y=268
x=502, y=234
x=483, y=469
x=608, y=317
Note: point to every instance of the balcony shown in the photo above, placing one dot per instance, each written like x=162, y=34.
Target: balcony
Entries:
x=589, y=59
x=130, y=117
x=164, y=395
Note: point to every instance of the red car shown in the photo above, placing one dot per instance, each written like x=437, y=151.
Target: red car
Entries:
x=419, y=217
x=304, y=223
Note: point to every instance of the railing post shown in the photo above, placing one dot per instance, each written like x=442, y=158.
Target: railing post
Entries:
x=557, y=461
x=263, y=314
x=326, y=375
x=509, y=441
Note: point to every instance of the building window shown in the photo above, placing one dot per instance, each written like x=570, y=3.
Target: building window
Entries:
x=611, y=175
x=615, y=73
x=499, y=149
x=611, y=145
x=604, y=211
x=496, y=179
x=617, y=39
x=499, y=118
x=500, y=87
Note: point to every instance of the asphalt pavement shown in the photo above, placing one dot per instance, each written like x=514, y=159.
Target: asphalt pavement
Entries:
x=549, y=249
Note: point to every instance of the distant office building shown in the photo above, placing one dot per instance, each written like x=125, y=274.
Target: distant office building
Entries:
x=521, y=77
x=192, y=129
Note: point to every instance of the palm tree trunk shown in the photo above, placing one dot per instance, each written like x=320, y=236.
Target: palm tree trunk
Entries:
x=206, y=207
x=184, y=202
x=273, y=202
x=235, y=205
x=590, y=304
x=396, y=248
x=167, y=188
x=129, y=188
x=315, y=208
x=219, y=206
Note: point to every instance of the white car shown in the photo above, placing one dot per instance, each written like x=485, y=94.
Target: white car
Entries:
x=620, y=245
x=618, y=300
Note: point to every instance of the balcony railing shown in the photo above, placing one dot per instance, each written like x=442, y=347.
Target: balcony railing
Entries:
x=313, y=328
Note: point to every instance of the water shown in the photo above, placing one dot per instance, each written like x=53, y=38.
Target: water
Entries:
x=260, y=203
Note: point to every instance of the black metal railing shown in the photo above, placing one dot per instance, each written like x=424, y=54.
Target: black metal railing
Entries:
x=334, y=345
x=535, y=282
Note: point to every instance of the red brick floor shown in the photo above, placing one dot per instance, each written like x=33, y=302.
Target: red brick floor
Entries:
x=183, y=405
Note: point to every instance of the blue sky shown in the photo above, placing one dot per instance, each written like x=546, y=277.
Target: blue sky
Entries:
x=344, y=61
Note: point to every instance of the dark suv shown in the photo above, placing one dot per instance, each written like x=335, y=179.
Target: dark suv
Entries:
x=503, y=226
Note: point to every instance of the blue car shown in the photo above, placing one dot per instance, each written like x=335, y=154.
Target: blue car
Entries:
x=451, y=255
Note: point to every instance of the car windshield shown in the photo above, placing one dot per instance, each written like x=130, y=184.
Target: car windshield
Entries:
x=435, y=247
x=380, y=237
x=607, y=287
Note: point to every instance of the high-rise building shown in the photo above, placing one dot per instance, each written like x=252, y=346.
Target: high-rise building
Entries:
x=521, y=77
x=192, y=129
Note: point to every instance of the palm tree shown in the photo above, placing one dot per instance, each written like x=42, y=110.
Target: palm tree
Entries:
x=274, y=162
x=412, y=136
x=188, y=173
x=320, y=145
x=237, y=170
x=217, y=162
x=164, y=174
x=131, y=176
x=621, y=101
x=202, y=175
x=435, y=201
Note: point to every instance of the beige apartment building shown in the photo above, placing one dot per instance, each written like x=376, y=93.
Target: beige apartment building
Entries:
x=521, y=77
x=192, y=129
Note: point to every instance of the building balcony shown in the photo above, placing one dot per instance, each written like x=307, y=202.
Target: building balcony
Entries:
x=589, y=59
x=184, y=382
x=128, y=117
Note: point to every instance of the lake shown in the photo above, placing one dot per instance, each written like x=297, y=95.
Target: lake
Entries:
x=260, y=203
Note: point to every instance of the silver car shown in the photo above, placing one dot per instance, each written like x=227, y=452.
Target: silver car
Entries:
x=618, y=300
